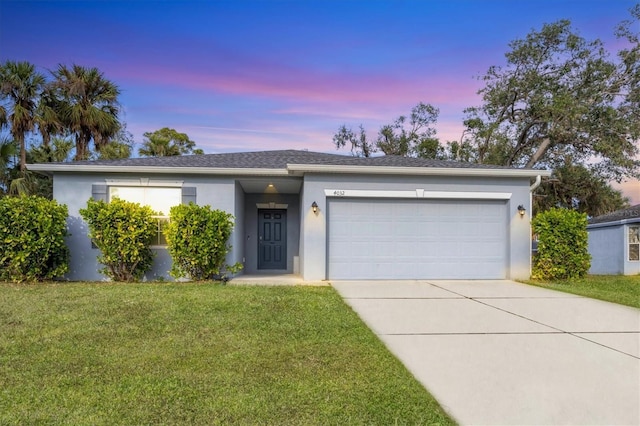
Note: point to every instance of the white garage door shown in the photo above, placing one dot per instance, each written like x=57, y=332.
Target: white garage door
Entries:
x=417, y=239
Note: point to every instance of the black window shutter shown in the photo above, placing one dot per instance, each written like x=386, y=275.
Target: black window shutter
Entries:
x=188, y=194
x=99, y=192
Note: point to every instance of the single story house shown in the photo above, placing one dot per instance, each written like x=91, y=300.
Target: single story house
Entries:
x=614, y=242
x=324, y=216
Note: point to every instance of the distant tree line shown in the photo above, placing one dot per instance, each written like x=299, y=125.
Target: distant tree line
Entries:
x=559, y=102
x=71, y=114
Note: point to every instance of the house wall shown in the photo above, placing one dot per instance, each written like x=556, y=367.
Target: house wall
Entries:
x=74, y=190
x=607, y=250
x=314, y=226
x=251, y=227
x=301, y=225
x=237, y=239
x=306, y=231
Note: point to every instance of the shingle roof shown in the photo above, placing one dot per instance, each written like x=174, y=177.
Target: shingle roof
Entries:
x=632, y=212
x=279, y=160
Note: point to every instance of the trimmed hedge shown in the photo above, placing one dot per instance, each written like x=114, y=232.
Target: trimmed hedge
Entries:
x=123, y=231
x=562, y=245
x=197, y=241
x=32, y=239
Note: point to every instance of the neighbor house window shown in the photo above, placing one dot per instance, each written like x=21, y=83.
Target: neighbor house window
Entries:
x=634, y=243
x=159, y=199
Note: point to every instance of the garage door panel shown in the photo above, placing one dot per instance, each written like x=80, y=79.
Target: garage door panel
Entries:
x=416, y=239
x=406, y=252
x=403, y=229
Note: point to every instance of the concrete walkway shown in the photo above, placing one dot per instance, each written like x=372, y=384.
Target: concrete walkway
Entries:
x=500, y=352
x=274, y=279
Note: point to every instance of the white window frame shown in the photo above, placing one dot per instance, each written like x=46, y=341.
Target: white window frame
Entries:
x=159, y=238
x=629, y=243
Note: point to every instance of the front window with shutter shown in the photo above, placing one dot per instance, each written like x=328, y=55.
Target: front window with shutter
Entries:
x=159, y=199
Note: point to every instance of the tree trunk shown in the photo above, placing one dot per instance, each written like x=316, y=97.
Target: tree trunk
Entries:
x=23, y=154
x=546, y=142
x=46, y=138
x=82, y=142
x=521, y=143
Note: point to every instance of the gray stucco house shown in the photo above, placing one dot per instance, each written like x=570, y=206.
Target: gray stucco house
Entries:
x=324, y=216
x=614, y=242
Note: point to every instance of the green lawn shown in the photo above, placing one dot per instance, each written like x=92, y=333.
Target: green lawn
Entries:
x=127, y=354
x=622, y=289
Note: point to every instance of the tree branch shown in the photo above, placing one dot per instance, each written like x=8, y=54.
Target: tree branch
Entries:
x=544, y=146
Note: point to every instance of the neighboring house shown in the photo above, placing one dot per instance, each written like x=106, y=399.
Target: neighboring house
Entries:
x=324, y=216
x=614, y=242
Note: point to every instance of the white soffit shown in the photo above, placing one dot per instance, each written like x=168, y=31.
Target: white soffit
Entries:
x=418, y=193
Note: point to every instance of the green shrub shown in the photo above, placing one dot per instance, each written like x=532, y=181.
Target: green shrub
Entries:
x=123, y=231
x=197, y=241
x=32, y=239
x=562, y=245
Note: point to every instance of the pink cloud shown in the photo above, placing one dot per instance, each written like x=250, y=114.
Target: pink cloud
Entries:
x=220, y=140
x=308, y=84
x=630, y=189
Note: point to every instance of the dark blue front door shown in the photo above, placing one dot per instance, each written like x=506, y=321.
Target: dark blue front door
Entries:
x=272, y=239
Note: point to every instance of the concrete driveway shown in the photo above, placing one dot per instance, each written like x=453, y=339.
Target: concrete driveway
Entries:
x=500, y=352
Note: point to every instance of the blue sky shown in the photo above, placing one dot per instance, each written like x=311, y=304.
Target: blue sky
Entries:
x=253, y=75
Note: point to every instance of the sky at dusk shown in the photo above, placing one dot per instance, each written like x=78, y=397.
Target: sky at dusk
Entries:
x=261, y=75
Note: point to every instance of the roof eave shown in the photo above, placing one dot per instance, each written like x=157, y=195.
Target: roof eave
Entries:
x=291, y=169
x=618, y=222
x=49, y=169
x=300, y=169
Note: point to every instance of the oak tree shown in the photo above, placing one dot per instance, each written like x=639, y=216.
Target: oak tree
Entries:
x=562, y=102
x=407, y=136
x=561, y=99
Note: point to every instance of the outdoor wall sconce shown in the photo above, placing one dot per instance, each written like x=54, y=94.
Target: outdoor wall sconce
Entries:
x=521, y=210
x=314, y=207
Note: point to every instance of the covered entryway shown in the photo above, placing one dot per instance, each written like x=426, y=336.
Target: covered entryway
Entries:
x=267, y=232
x=417, y=239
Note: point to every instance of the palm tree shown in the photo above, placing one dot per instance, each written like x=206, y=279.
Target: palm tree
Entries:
x=47, y=115
x=158, y=147
x=21, y=84
x=89, y=106
x=8, y=152
x=119, y=145
x=167, y=142
x=3, y=114
x=57, y=151
x=3, y=109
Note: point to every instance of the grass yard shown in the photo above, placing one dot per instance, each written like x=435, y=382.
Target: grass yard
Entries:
x=108, y=354
x=622, y=289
